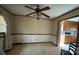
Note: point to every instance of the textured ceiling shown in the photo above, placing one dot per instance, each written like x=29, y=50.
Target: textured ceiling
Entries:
x=75, y=19
x=55, y=9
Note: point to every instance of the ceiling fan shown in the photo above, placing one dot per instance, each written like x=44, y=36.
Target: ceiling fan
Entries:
x=38, y=11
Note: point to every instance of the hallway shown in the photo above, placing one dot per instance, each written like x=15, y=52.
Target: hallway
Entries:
x=34, y=49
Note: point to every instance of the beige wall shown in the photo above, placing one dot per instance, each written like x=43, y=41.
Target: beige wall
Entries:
x=29, y=25
x=32, y=25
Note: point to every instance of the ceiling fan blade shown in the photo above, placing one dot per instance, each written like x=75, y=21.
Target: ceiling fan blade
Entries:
x=45, y=8
x=45, y=15
x=29, y=7
x=30, y=14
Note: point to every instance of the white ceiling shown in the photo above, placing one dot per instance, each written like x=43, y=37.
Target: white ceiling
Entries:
x=75, y=19
x=55, y=9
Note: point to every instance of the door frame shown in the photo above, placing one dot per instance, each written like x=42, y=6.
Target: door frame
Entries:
x=78, y=32
x=57, y=41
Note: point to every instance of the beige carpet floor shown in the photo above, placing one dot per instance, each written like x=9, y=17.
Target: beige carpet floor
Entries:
x=34, y=49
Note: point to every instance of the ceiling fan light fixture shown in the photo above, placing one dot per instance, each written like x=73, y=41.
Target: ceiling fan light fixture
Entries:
x=38, y=11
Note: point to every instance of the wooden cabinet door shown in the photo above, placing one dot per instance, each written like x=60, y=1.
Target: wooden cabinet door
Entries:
x=67, y=27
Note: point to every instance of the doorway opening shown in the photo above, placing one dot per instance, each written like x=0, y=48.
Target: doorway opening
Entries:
x=67, y=32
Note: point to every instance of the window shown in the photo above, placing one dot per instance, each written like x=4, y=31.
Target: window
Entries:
x=2, y=24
